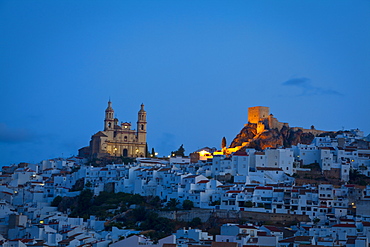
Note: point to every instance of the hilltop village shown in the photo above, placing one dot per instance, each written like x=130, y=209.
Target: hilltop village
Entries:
x=272, y=186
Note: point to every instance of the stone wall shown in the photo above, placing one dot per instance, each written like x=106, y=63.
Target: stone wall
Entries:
x=233, y=216
x=257, y=112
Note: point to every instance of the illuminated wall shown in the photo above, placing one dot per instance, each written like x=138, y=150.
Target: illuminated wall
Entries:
x=257, y=112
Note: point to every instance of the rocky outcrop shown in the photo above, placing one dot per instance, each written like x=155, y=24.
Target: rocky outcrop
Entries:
x=247, y=133
x=271, y=138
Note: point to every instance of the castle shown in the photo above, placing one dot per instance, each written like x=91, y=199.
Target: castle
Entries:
x=118, y=140
x=260, y=126
x=261, y=116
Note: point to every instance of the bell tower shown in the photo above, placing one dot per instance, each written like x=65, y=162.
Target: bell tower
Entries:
x=141, y=125
x=109, y=119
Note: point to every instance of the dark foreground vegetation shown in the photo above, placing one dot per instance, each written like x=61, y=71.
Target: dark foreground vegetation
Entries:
x=123, y=210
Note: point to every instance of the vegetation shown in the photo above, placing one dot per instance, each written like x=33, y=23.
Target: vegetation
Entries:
x=79, y=185
x=187, y=205
x=355, y=177
x=215, y=203
x=247, y=204
x=179, y=152
x=173, y=204
x=133, y=211
x=56, y=201
x=313, y=166
x=104, y=205
x=145, y=220
x=195, y=223
x=147, y=154
x=223, y=142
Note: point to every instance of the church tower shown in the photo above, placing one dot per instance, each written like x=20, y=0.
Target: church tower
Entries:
x=119, y=140
x=141, y=125
x=109, y=119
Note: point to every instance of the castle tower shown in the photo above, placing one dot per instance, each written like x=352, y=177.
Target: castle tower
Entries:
x=141, y=125
x=256, y=113
x=109, y=119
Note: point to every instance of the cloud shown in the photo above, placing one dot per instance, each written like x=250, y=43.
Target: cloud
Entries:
x=309, y=89
x=297, y=82
x=15, y=135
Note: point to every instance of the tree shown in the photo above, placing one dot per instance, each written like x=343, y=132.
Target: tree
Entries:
x=84, y=199
x=195, y=222
x=187, y=205
x=155, y=202
x=315, y=221
x=223, y=142
x=153, y=153
x=147, y=154
x=172, y=204
x=179, y=152
x=56, y=201
x=88, y=184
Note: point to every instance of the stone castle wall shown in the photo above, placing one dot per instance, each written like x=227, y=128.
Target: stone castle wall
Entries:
x=232, y=215
x=313, y=131
x=261, y=116
x=256, y=113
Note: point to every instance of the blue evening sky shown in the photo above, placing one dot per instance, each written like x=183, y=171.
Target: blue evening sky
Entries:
x=196, y=65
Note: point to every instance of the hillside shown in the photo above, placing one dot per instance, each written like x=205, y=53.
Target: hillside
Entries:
x=286, y=137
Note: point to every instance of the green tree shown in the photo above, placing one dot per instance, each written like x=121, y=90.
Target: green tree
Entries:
x=173, y=204
x=155, y=202
x=195, y=222
x=315, y=221
x=147, y=154
x=153, y=153
x=84, y=203
x=179, y=152
x=88, y=184
x=187, y=204
x=140, y=213
x=223, y=142
x=56, y=201
x=127, y=160
x=214, y=203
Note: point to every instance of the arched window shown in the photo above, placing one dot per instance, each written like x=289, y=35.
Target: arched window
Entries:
x=125, y=152
x=125, y=138
x=109, y=124
x=142, y=127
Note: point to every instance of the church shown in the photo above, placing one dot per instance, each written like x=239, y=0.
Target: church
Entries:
x=118, y=139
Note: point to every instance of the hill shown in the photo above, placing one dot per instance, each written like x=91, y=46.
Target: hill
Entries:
x=273, y=138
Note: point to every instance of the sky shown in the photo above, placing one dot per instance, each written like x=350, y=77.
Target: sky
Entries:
x=196, y=65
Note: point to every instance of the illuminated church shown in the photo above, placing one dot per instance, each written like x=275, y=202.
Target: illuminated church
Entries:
x=118, y=139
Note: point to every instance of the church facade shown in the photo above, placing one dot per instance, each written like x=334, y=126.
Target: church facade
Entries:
x=118, y=139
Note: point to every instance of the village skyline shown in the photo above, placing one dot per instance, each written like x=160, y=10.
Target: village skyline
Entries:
x=197, y=67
